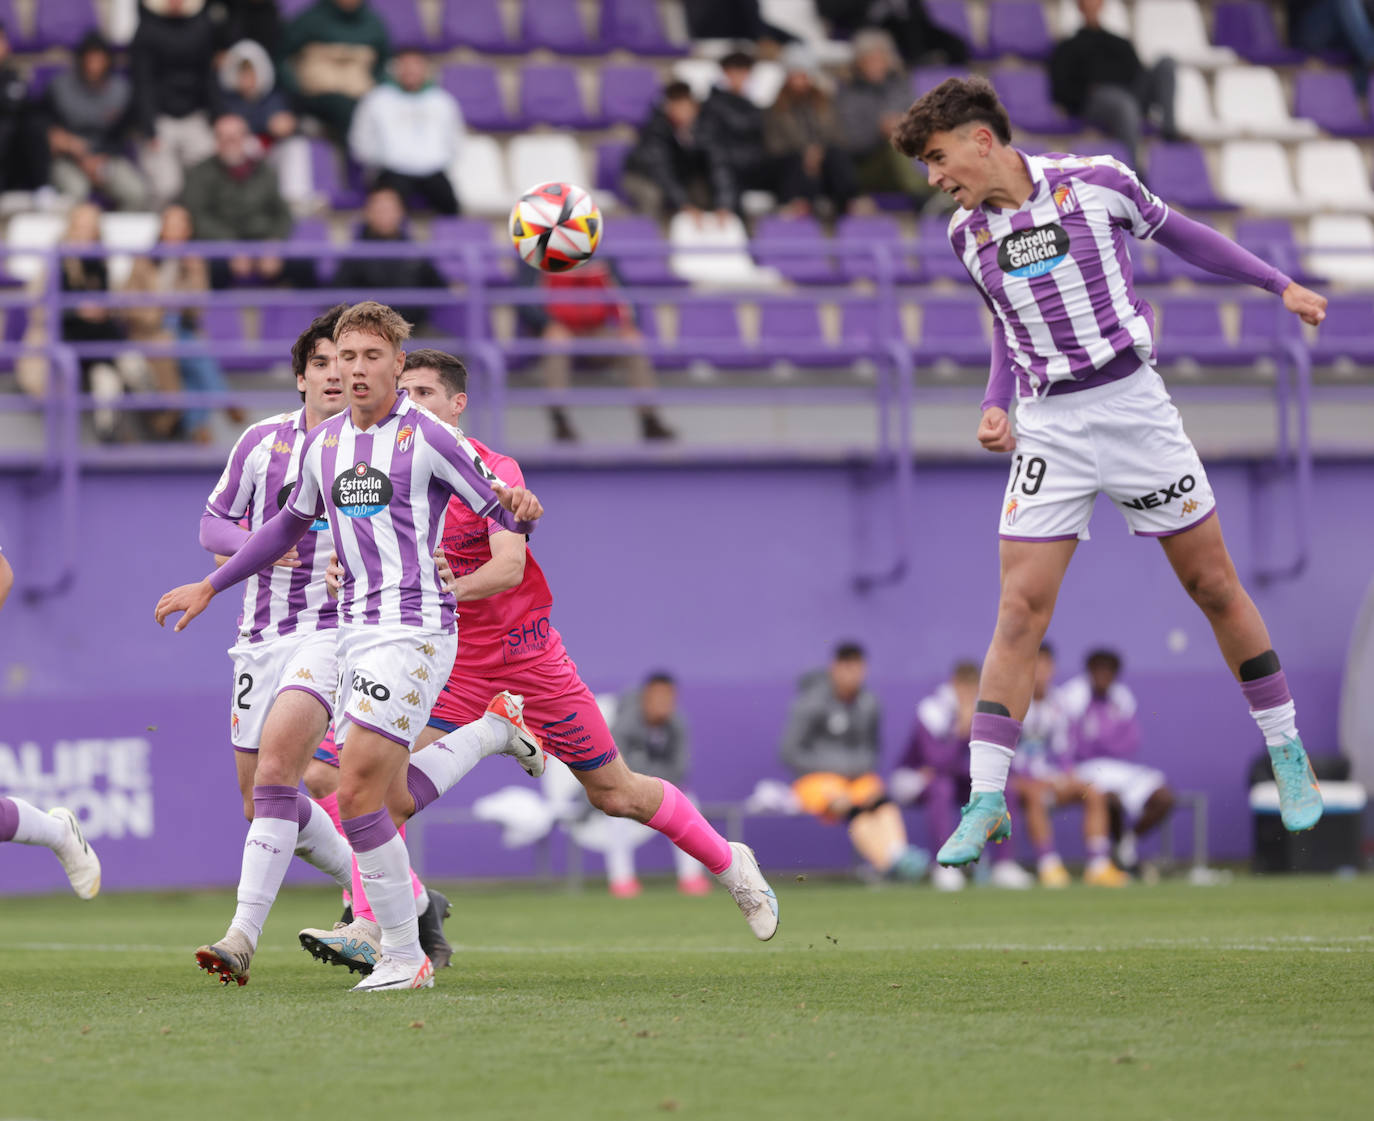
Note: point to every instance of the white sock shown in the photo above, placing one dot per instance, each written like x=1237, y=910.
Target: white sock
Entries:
x=1126, y=849
x=37, y=827
x=989, y=764
x=386, y=873
x=322, y=846
x=1049, y=860
x=266, y=854
x=447, y=760
x=1279, y=725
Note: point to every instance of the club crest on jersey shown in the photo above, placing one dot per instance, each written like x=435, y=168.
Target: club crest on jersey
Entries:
x=1063, y=198
x=404, y=438
x=362, y=491
x=318, y=525
x=1030, y=253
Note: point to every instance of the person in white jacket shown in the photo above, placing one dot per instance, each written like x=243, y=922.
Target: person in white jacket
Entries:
x=407, y=133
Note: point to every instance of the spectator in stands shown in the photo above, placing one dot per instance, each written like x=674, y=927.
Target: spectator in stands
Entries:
x=175, y=92
x=730, y=128
x=831, y=743
x=1317, y=26
x=234, y=196
x=384, y=219
x=933, y=772
x=407, y=133
x=803, y=131
x=1105, y=735
x=1098, y=76
x=652, y=738
x=258, y=20
x=920, y=39
x=560, y=323
x=23, y=151
x=869, y=106
x=88, y=111
x=334, y=52
x=199, y=373
x=248, y=80
x=732, y=19
x=670, y=169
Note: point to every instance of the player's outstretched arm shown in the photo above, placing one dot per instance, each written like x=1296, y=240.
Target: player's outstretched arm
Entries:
x=456, y=464
x=995, y=431
x=1307, y=305
x=521, y=502
x=224, y=538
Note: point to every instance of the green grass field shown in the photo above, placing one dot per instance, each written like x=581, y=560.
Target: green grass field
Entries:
x=1252, y=1000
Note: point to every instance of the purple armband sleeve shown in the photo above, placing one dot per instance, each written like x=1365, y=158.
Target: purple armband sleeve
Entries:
x=1001, y=376
x=1202, y=246
x=221, y=536
x=262, y=549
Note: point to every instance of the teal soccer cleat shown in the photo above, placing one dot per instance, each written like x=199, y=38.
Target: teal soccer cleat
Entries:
x=984, y=819
x=1300, y=799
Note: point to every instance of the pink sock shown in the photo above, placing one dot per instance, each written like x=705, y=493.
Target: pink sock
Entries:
x=330, y=804
x=361, y=908
x=682, y=823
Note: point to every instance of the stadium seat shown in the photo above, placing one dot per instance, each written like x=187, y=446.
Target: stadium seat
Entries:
x=541, y=158
x=19, y=39
x=812, y=266
x=1272, y=240
x=477, y=24
x=1174, y=28
x=926, y=78
x=765, y=82
x=227, y=324
x=281, y=323
x=550, y=95
x=1248, y=29
x=699, y=73
x=479, y=177
x=729, y=263
x=31, y=231
x=1017, y=27
x=1327, y=97
x=709, y=329
x=1255, y=173
x=1332, y=175
x=610, y=166
x=1027, y=94
x=1342, y=249
x=335, y=176
x=62, y=23
x=953, y=16
x=861, y=321
x=129, y=230
x=447, y=234
x=628, y=94
x=1193, y=108
x=1178, y=172
x=1251, y=100
x=1115, y=18
x=790, y=330
x=1345, y=332
x=938, y=261
x=953, y=329
x=800, y=19
x=404, y=25
x=853, y=236
x=1191, y=327
x=290, y=9
x=650, y=269
x=477, y=89
x=1265, y=321
x=557, y=25
x=636, y=26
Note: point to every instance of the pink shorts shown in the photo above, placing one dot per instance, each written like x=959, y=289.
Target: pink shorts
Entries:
x=559, y=708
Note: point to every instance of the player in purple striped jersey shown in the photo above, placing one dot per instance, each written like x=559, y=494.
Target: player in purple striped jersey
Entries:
x=1043, y=238
x=382, y=472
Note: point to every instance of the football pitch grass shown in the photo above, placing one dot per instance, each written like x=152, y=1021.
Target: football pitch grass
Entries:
x=1251, y=1000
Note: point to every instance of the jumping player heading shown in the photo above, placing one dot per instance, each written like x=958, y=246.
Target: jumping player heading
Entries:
x=1043, y=238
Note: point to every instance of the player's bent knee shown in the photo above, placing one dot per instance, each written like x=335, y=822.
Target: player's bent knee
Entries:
x=615, y=801
x=1214, y=592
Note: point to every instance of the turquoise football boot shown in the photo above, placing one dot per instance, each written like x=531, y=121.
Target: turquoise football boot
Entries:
x=1300, y=799
x=984, y=819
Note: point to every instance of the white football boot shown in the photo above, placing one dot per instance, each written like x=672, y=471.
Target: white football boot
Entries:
x=78, y=858
x=524, y=744
x=750, y=891
x=397, y=973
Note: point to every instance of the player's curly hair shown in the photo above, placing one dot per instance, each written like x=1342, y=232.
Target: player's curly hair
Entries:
x=452, y=373
x=321, y=327
x=953, y=103
x=373, y=318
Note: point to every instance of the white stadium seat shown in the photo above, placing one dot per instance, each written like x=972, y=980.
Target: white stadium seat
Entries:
x=479, y=176
x=1332, y=175
x=1251, y=100
x=1175, y=28
x=31, y=231
x=730, y=266
x=699, y=73
x=1342, y=232
x=1255, y=174
x=1193, y=108
x=799, y=17
x=1115, y=18
x=543, y=158
x=136, y=232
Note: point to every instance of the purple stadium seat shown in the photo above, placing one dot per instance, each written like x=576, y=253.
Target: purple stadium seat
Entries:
x=335, y=177
x=478, y=91
x=1273, y=240
x=41, y=76
x=1144, y=257
x=1327, y=97
x=811, y=266
x=926, y=78
x=709, y=329
x=938, y=261
x=1027, y=93
x=636, y=26
x=628, y=94
x=641, y=268
x=861, y=263
x=62, y=23
x=790, y=329
x=476, y=24
x=1264, y=321
x=1017, y=27
x=1191, y=328
x=610, y=164
x=226, y=325
x=860, y=323
x=952, y=15
x=952, y=328
x=1248, y=29
x=282, y=323
x=446, y=232
x=9, y=16
x=1178, y=172
x=1345, y=332
x=557, y=25
x=404, y=25
x=550, y=95
x=290, y=9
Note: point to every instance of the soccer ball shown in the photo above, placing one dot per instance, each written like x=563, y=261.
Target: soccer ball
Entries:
x=555, y=227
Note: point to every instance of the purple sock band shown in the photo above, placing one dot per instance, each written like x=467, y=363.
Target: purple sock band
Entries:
x=421, y=788
x=370, y=831
x=1266, y=692
x=275, y=801
x=304, y=808
x=990, y=728
x=9, y=819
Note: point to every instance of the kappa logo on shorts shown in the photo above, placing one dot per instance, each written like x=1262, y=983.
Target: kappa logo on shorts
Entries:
x=304, y=674
x=1031, y=253
x=1164, y=495
x=1189, y=506
x=412, y=698
x=401, y=723
x=421, y=673
x=364, y=705
x=427, y=649
x=362, y=491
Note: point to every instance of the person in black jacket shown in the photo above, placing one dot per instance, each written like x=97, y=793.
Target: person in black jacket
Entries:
x=23, y=148
x=176, y=94
x=918, y=37
x=730, y=128
x=384, y=218
x=669, y=168
x=1098, y=76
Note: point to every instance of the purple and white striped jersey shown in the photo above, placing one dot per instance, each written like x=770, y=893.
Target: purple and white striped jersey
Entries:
x=1057, y=275
x=384, y=491
x=261, y=473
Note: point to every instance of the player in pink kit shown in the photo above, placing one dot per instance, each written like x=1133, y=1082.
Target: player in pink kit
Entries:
x=507, y=640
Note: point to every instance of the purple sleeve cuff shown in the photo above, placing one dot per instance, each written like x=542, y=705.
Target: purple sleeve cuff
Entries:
x=262, y=549
x=1202, y=246
x=221, y=536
